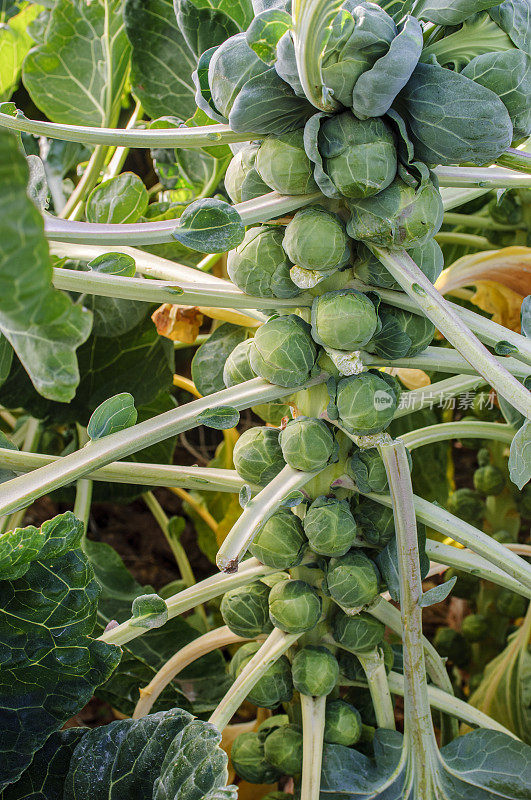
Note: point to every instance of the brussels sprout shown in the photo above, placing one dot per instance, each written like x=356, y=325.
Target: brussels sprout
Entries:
x=242, y=655
x=483, y=457
x=452, y=645
x=466, y=585
x=353, y=579
x=489, y=480
x=283, y=164
x=342, y=723
x=475, y=627
x=504, y=537
x=314, y=671
x=366, y=403
x=344, y=320
x=359, y=632
x=367, y=469
x=370, y=269
x=315, y=239
x=274, y=687
x=468, y=505
x=247, y=756
x=483, y=407
x=294, y=606
x=350, y=665
x=269, y=725
x=283, y=351
x=307, y=444
x=273, y=413
x=259, y=265
x=231, y=66
x=400, y=216
x=257, y=455
x=330, y=526
x=242, y=181
x=245, y=609
x=281, y=542
x=402, y=333
x=510, y=604
x=237, y=367
x=359, y=156
x=283, y=750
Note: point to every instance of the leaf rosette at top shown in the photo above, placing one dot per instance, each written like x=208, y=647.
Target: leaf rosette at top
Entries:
x=40, y=322
x=50, y=665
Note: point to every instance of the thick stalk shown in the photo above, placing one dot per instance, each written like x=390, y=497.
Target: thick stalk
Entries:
x=436, y=393
x=313, y=722
x=276, y=644
x=83, y=501
x=419, y=288
x=482, y=178
x=119, y=156
x=256, y=514
x=189, y=598
x=458, y=430
x=14, y=494
x=220, y=637
x=444, y=359
x=374, y=668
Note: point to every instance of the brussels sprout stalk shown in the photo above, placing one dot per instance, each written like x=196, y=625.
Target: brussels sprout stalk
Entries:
x=276, y=644
x=313, y=723
x=445, y=359
x=418, y=287
x=374, y=668
x=436, y=393
x=491, y=177
x=256, y=513
x=458, y=430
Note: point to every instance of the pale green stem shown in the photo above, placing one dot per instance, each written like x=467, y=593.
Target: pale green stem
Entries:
x=516, y=159
x=117, y=161
x=176, y=547
x=256, y=513
x=20, y=491
x=482, y=178
x=374, y=668
x=464, y=239
x=86, y=183
x=83, y=501
x=458, y=430
x=476, y=221
x=436, y=393
x=313, y=723
x=419, y=288
x=206, y=263
x=444, y=359
x=204, y=479
x=207, y=589
x=453, y=198
x=276, y=644
x=31, y=437
x=310, y=21
x=201, y=339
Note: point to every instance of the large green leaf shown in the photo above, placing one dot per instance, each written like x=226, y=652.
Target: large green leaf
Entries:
x=161, y=61
x=450, y=12
x=50, y=665
x=520, y=456
x=208, y=24
x=77, y=74
x=6, y=358
x=15, y=43
x=40, y=322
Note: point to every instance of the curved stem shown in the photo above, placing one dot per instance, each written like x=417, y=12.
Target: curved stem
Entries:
x=444, y=359
x=464, y=239
x=179, y=553
x=516, y=159
x=374, y=669
x=436, y=393
x=313, y=723
x=26, y=488
x=87, y=182
x=418, y=287
x=220, y=637
x=476, y=221
x=310, y=20
x=457, y=430
x=256, y=513
x=189, y=598
x=276, y=644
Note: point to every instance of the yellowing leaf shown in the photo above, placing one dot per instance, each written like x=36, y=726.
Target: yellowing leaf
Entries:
x=178, y=323
x=500, y=301
x=411, y=378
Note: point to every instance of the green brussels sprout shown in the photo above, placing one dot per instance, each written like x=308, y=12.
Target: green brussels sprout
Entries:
x=400, y=216
x=359, y=632
x=247, y=756
x=475, y=627
x=281, y=542
x=316, y=239
x=350, y=665
x=489, y=480
x=483, y=457
x=294, y=606
x=283, y=165
x=242, y=655
x=468, y=505
x=283, y=750
x=402, y=333
x=314, y=671
x=466, y=586
x=257, y=455
x=370, y=269
x=269, y=725
x=344, y=320
x=231, y=66
x=452, y=645
x=511, y=605
x=307, y=444
x=352, y=580
x=483, y=407
x=242, y=181
x=330, y=526
x=237, y=367
x=359, y=156
x=245, y=609
x=259, y=265
x=504, y=537
x=274, y=687
x=366, y=403
x=342, y=723
x=367, y=469
x=283, y=351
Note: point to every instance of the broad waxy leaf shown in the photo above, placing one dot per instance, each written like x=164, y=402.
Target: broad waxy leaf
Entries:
x=39, y=321
x=67, y=75
x=452, y=119
x=450, y=12
x=6, y=358
x=209, y=359
x=120, y=199
x=210, y=226
x=265, y=32
x=161, y=61
x=113, y=415
x=50, y=665
x=513, y=17
x=15, y=43
x=208, y=24
x=520, y=456
x=149, y=611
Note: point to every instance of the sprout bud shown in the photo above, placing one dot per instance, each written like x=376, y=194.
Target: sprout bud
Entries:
x=294, y=606
x=360, y=632
x=315, y=671
x=307, y=444
x=468, y=505
x=245, y=609
x=452, y=645
x=283, y=165
x=237, y=367
x=489, y=480
x=367, y=402
x=375, y=521
x=247, y=756
x=257, y=455
x=342, y=723
x=315, y=239
x=283, y=750
x=259, y=265
x=281, y=542
x=283, y=351
x=242, y=181
x=353, y=580
x=475, y=627
x=344, y=320
x=330, y=526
